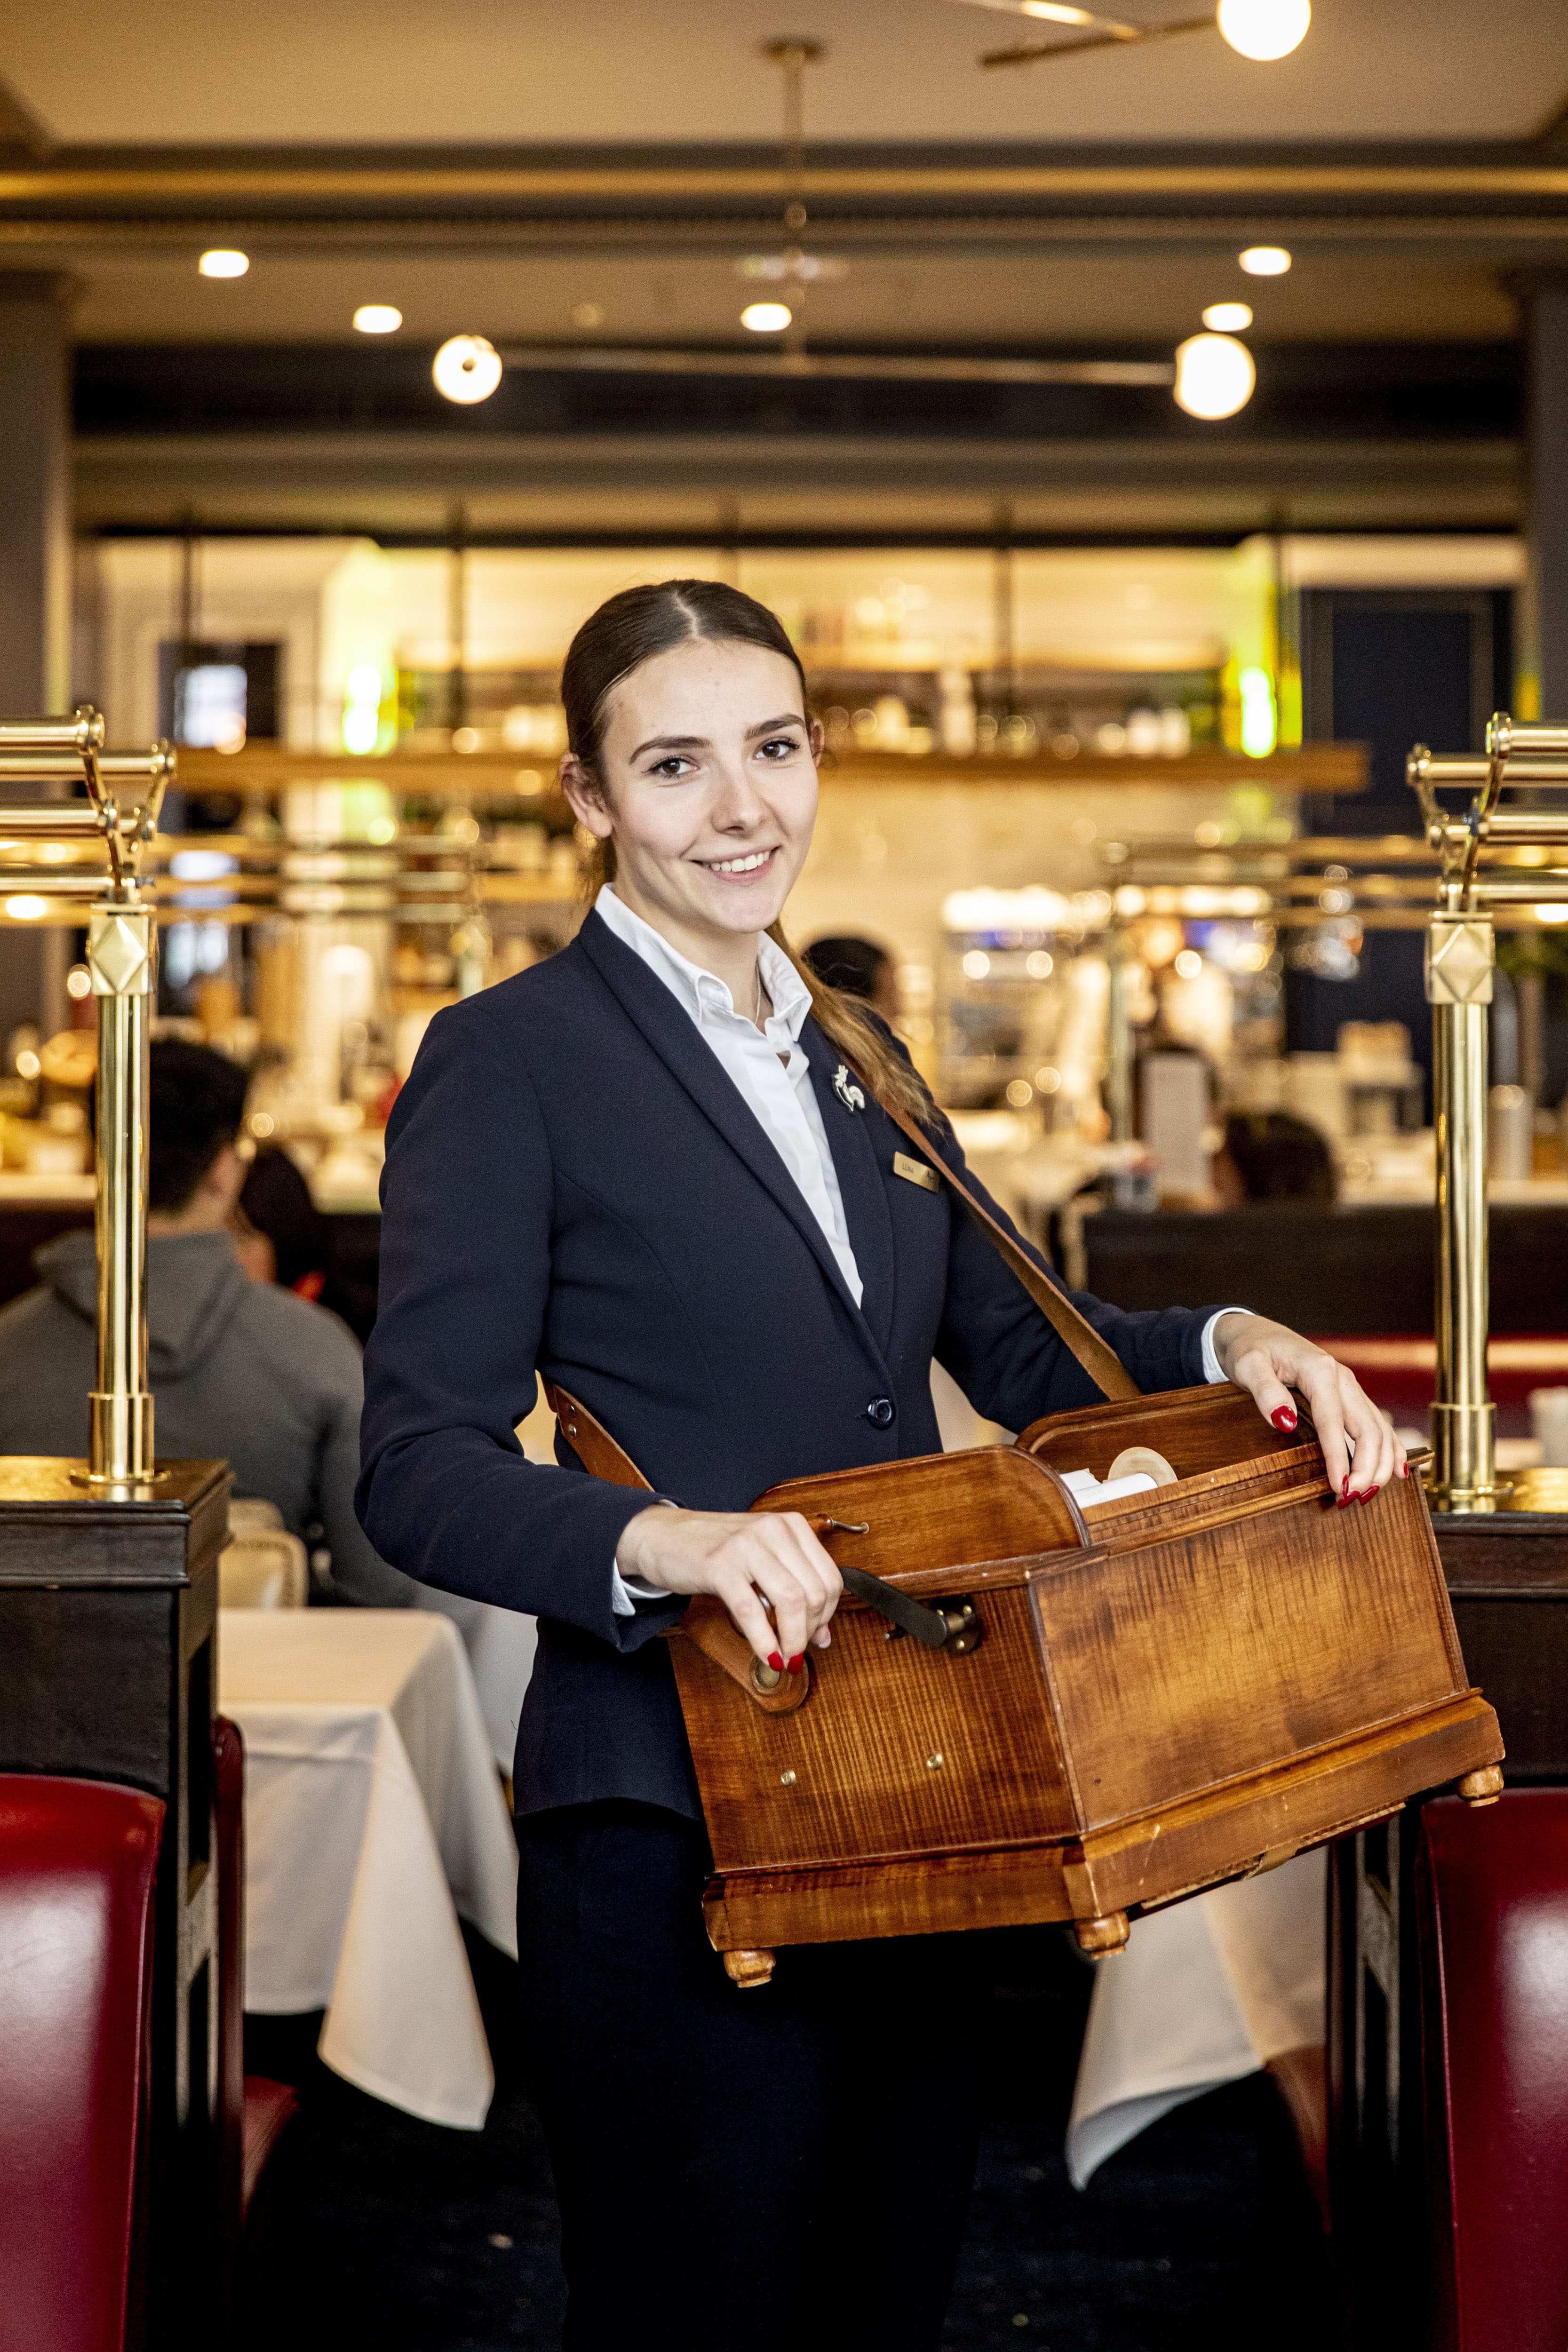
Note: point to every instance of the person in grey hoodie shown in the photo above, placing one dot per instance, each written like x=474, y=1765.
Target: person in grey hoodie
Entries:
x=241, y=1370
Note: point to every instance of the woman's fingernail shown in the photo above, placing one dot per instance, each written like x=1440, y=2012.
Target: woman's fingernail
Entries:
x=797, y=1662
x=775, y=1660
x=1284, y=1419
x=1404, y=1469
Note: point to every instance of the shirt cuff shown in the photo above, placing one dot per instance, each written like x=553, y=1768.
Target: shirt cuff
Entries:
x=626, y=1591
x=1211, y=1361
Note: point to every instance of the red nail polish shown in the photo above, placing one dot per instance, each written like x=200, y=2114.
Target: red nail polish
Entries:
x=798, y=1663
x=1346, y=1487
x=1404, y=1469
x=1284, y=1419
x=775, y=1660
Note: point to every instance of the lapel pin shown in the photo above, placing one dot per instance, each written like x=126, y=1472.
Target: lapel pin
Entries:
x=850, y=1096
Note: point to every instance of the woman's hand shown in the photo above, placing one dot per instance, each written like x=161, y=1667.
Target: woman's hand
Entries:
x=751, y=1560
x=1269, y=1361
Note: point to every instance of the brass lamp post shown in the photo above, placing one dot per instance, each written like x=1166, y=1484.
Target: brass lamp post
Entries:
x=1460, y=957
x=121, y=962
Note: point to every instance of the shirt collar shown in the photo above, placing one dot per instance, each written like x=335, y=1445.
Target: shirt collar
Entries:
x=701, y=991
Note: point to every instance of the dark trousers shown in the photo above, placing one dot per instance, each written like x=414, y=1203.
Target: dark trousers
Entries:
x=738, y=2170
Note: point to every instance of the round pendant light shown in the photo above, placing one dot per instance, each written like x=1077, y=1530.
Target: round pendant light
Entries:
x=1265, y=30
x=466, y=368
x=1214, y=375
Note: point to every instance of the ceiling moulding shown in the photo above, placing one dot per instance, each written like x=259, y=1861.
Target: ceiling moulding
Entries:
x=520, y=490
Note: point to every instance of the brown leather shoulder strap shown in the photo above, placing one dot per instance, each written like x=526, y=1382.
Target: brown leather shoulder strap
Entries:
x=1104, y=1366
x=591, y=1442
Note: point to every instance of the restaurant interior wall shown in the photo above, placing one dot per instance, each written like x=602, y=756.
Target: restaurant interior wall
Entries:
x=1041, y=648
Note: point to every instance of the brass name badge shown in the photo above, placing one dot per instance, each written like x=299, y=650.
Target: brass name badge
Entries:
x=915, y=1171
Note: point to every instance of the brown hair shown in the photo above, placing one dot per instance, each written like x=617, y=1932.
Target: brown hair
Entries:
x=631, y=629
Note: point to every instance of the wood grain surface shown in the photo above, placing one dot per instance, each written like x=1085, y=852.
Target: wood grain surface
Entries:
x=1172, y=1689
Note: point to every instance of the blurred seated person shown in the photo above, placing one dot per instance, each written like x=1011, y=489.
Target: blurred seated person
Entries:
x=240, y=1371
x=860, y=969
x=1269, y=1156
x=280, y=1235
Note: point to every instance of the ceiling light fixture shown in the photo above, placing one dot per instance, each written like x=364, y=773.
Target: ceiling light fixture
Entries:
x=1264, y=260
x=1228, y=318
x=1264, y=30
x=377, y=319
x=1214, y=375
x=223, y=262
x=766, y=318
x=466, y=368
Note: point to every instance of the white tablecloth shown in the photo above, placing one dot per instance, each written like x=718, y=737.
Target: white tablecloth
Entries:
x=500, y=1644
x=1205, y=1992
x=373, y=1817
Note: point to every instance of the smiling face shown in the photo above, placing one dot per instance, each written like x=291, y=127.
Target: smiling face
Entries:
x=707, y=782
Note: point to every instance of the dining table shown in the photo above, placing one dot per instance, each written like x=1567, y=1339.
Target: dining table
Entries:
x=375, y=1824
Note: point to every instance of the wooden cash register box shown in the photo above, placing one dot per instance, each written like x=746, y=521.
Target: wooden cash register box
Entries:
x=1084, y=1714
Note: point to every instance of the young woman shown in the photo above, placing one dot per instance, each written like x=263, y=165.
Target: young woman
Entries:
x=642, y=1170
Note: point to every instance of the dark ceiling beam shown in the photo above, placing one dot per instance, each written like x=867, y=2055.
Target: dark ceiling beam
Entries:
x=1501, y=239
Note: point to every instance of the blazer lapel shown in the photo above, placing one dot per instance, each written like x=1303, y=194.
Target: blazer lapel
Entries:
x=861, y=1185
x=675, y=1038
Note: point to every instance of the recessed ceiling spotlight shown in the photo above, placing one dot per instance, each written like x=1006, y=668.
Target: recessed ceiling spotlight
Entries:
x=222, y=262
x=1264, y=260
x=1228, y=318
x=1214, y=375
x=1265, y=30
x=588, y=315
x=766, y=318
x=377, y=319
x=466, y=368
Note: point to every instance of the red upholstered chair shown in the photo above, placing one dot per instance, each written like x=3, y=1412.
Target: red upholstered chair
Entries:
x=77, y=1860
x=1492, y=1906
x=252, y=2111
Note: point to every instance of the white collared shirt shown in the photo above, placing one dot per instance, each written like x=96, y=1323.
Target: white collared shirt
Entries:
x=770, y=1069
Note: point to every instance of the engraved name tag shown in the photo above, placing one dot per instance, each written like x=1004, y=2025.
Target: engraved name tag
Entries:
x=915, y=1171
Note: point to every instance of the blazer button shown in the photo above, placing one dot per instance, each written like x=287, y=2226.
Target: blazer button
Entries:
x=879, y=1413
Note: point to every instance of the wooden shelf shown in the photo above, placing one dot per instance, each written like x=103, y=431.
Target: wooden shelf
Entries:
x=1315, y=767
x=266, y=768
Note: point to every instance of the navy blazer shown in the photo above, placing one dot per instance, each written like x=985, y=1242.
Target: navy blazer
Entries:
x=574, y=1184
